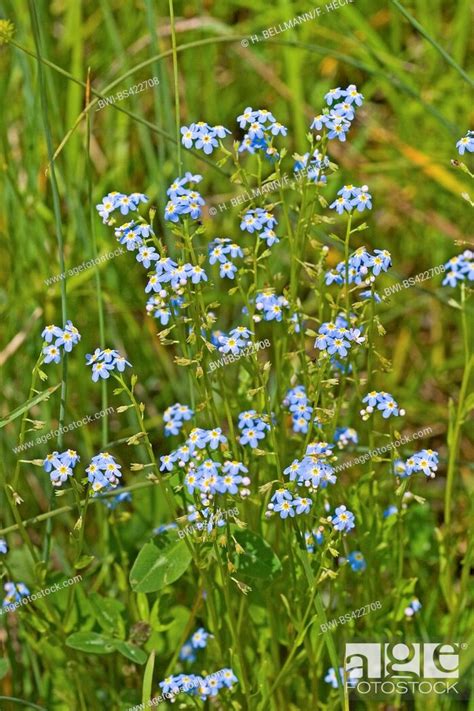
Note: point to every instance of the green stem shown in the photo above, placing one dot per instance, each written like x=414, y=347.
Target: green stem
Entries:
x=59, y=238
x=176, y=87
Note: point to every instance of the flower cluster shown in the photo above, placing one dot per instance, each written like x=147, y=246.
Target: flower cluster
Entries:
x=206, y=518
x=197, y=641
x=3, y=546
x=204, y=687
x=284, y=503
x=337, y=119
x=262, y=222
x=236, y=341
x=202, y=136
x=314, y=470
x=60, y=466
x=105, y=362
x=261, y=127
x=182, y=200
x=270, y=306
x=343, y=520
x=313, y=166
x=64, y=338
x=203, y=473
x=344, y=436
x=103, y=472
x=252, y=428
x=384, y=402
x=466, y=143
x=425, y=461
x=459, y=268
x=363, y=267
x=163, y=309
x=219, y=250
x=351, y=197
x=15, y=592
x=336, y=339
x=357, y=561
x=133, y=235
x=175, y=417
x=176, y=276
x=301, y=411
x=118, y=201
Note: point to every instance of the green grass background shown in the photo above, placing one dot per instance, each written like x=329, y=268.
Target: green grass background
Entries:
x=417, y=106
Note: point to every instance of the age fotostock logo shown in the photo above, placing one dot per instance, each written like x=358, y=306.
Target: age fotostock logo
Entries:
x=379, y=668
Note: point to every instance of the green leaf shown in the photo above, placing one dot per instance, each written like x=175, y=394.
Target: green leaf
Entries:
x=84, y=561
x=91, y=642
x=106, y=611
x=28, y=404
x=148, y=678
x=159, y=564
x=258, y=562
x=135, y=654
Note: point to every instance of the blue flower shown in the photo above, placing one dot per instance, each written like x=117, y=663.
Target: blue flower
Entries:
x=52, y=354
x=363, y=200
x=343, y=520
x=247, y=116
x=206, y=141
x=199, y=638
x=340, y=204
x=146, y=255
x=3, y=546
x=188, y=135
x=251, y=436
x=338, y=126
x=357, y=561
x=466, y=143
x=413, y=607
x=303, y=504
x=333, y=95
x=227, y=269
x=388, y=407
x=15, y=592
x=50, y=332
x=186, y=653
x=390, y=511
x=352, y=96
